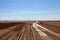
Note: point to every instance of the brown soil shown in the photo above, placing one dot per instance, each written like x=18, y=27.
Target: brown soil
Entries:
x=23, y=30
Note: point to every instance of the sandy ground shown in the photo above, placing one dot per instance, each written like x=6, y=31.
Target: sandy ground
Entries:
x=43, y=30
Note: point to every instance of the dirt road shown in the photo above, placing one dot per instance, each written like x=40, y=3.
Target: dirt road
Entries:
x=30, y=31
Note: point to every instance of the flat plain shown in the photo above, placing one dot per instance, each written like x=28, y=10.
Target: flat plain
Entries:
x=26, y=30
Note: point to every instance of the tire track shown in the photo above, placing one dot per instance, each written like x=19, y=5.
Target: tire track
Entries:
x=42, y=34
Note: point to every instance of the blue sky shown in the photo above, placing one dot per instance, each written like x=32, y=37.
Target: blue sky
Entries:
x=29, y=9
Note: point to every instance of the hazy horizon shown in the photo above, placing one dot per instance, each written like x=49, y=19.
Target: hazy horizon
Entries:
x=29, y=9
